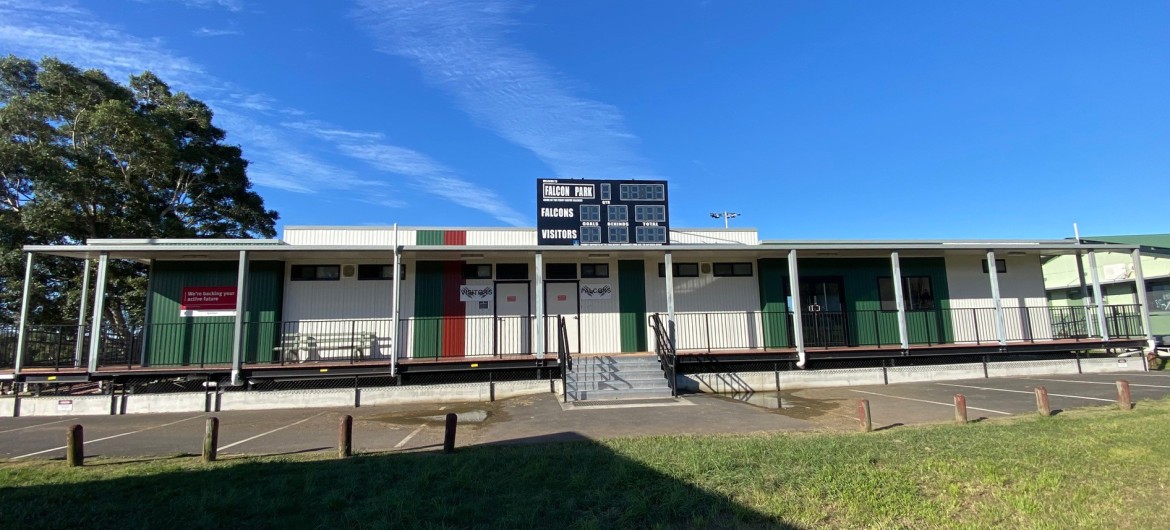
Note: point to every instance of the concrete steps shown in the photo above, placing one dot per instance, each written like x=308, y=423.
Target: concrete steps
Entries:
x=611, y=377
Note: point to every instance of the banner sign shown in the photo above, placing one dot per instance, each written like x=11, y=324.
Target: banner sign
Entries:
x=596, y=292
x=602, y=212
x=208, y=302
x=475, y=293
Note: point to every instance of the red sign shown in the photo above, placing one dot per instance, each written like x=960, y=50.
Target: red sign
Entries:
x=511, y=298
x=562, y=297
x=208, y=301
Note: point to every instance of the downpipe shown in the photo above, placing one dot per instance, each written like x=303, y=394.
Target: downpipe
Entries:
x=802, y=361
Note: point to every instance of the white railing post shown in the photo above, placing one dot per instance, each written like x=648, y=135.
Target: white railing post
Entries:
x=669, y=265
x=539, y=324
x=395, y=305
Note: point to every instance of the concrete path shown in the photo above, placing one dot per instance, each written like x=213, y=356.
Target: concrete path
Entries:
x=543, y=418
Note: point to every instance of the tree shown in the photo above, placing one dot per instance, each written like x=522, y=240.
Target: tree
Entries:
x=84, y=157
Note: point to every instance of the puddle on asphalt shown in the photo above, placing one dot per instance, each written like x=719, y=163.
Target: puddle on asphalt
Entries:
x=788, y=404
x=475, y=414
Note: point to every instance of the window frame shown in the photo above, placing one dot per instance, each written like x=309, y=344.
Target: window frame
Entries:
x=475, y=271
x=907, y=300
x=593, y=270
x=678, y=269
x=731, y=269
x=293, y=276
x=506, y=271
x=381, y=274
x=564, y=268
x=1000, y=266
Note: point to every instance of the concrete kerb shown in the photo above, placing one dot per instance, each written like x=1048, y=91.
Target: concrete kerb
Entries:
x=227, y=401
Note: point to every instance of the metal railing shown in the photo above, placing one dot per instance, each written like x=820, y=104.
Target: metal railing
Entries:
x=664, y=347
x=564, y=356
x=466, y=336
x=768, y=330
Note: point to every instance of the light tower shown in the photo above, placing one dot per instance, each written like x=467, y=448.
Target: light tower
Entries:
x=727, y=217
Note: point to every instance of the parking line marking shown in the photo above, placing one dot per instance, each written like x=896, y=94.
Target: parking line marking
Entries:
x=932, y=402
x=278, y=429
x=87, y=442
x=34, y=426
x=409, y=436
x=1089, y=382
x=1027, y=392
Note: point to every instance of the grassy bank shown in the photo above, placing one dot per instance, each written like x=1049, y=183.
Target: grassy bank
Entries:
x=1086, y=468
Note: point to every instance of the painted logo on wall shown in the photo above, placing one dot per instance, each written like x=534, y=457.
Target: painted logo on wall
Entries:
x=596, y=292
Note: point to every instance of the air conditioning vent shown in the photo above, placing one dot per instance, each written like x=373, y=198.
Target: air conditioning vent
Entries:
x=705, y=268
x=347, y=271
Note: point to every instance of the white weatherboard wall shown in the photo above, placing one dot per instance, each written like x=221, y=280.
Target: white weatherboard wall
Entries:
x=600, y=319
x=380, y=236
x=1021, y=289
x=723, y=312
x=345, y=306
x=501, y=237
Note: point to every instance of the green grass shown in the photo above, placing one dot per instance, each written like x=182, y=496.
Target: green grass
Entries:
x=1090, y=468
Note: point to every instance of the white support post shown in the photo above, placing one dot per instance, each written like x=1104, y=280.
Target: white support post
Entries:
x=396, y=304
x=26, y=293
x=993, y=275
x=539, y=324
x=238, y=328
x=99, y=306
x=83, y=305
x=1098, y=298
x=669, y=266
x=903, y=332
x=1143, y=300
x=1089, y=327
x=797, y=320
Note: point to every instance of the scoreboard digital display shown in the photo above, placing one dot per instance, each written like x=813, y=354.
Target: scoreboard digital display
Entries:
x=602, y=212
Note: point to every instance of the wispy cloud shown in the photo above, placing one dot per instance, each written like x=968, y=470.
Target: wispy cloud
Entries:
x=230, y=5
x=296, y=156
x=425, y=174
x=208, y=32
x=464, y=46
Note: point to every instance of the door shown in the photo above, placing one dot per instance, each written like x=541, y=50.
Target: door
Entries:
x=822, y=303
x=561, y=299
x=513, y=327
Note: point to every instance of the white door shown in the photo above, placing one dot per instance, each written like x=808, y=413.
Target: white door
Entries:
x=513, y=319
x=561, y=300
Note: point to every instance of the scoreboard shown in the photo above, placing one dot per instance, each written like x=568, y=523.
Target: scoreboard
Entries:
x=602, y=212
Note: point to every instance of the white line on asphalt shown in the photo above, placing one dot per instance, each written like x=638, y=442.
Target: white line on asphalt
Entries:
x=278, y=429
x=1089, y=382
x=35, y=426
x=87, y=442
x=931, y=402
x=1027, y=392
x=1131, y=374
x=409, y=436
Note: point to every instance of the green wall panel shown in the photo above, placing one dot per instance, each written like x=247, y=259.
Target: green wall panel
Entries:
x=175, y=340
x=632, y=304
x=429, y=237
x=428, y=309
x=773, y=281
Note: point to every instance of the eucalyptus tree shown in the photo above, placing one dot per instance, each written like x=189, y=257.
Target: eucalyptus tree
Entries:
x=85, y=157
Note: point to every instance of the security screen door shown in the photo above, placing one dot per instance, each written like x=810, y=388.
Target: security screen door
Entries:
x=822, y=304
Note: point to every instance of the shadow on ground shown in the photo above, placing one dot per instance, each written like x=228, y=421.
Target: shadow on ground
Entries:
x=571, y=482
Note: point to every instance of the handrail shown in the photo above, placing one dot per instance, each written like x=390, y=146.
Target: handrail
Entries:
x=664, y=347
x=564, y=356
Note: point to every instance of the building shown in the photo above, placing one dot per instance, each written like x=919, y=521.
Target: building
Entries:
x=1069, y=283
x=398, y=301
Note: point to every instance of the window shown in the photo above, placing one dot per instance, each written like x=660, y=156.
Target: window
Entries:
x=590, y=234
x=590, y=212
x=650, y=234
x=619, y=234
x=650, y=213
x=618, y=212
x=605, y=194
x=561, y=271
x=512, y=271
x=1000, y=266
x=917, y=293
x=1158, y=295
x=309, y=273
x=377, y=272
x=681, y=270
x=477, y=271
x=643, y=192
x=732, y=269
x=595, y=270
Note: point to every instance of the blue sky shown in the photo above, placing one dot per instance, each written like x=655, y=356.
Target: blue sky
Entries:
x=813, y=120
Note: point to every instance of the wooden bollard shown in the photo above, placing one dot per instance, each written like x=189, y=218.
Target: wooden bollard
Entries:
x=863, y=415
x=345, y=437
x=211, y=440
x=75, y=446
x=449, y=433
x=1124, y=399
x=960, y=409
x=1042, y=401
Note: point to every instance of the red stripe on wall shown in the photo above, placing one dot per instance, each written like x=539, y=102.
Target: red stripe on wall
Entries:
x=454, y=326
x=455, y=237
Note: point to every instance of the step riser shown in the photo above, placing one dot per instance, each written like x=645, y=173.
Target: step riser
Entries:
x=623, y=394
x=619, y=385
x=608, y=378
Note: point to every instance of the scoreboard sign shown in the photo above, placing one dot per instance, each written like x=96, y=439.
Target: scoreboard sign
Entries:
x=602, y=212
